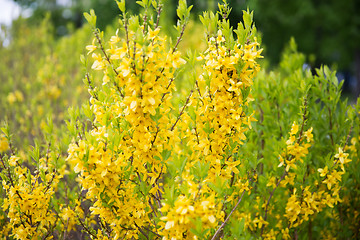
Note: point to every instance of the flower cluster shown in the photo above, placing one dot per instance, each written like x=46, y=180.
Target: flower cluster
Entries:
x=300, y=206
x=297, y=148
x=213, y=128
x=28, y=198
x=187, y=214
x=221, y=113
x=122, y=161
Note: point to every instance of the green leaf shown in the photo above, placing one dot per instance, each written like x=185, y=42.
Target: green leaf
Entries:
x=141, y=3
x=247, y=18
x=121, y=5
x=165, y=154
x=91, y=18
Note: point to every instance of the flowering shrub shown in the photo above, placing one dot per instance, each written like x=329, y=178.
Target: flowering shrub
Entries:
x=40, y=80
x=236, y=153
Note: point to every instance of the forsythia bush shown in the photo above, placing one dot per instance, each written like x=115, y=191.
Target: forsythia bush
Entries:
x=235, y=153
x=40, y=80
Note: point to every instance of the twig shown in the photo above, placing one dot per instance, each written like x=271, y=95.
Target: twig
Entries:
x=346, y=142
x=182, y=110
x=179, y=38
x=167, y=87
x=85, y=228
x=159, y=10
x=152, y=232
x=197, y=136
x=228, y=217
x=271, y=195
x=198, y=89
x=142, y=231
x=91, y=86
x=108, y=60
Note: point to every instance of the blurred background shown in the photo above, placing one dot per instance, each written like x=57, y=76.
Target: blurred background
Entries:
x=327, y=31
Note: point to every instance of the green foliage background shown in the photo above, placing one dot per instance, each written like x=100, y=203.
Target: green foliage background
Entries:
x=328, y=32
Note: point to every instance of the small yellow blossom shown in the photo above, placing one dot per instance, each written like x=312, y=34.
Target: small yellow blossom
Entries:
x=294, y=129
x=4, y=144
x=13, y=160
x=323, y=171
x=343, y=157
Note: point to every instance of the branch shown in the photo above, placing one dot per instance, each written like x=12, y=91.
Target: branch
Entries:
x=85, y=228
x=182, y=110
x=271, y=195
x=228, y=217
x=159, y=10
x=179, y=38
x=91, y=86
x=108, y=60
x=142, y=231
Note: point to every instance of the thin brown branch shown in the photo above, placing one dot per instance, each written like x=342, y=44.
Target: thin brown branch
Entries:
x=147, y=229
x=91, y=86
x=228, y=217
x=198, y=89
x=159, y=10
x=269, y=199
x=142, y=231
x=179, y=38
x=96, y=33
x=182, y=110
x=85, y=228
x=331, y=127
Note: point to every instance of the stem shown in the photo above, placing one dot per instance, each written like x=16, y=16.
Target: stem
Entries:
x=331, y=127
x=262, y=141
x=228, y=217
x=96, y=32
x=49, y=183
x=158, y=15
x=303, y=121
x=310, y=230
x=156, y=134
x=127, y=34
x=144, y=21
x=182, y=110
x=167, y=87
x=85, y=228
x=198, y=89
x=278, y=116
x=197, y=136
x=103, y=50
x=147, y=229
x=268, y=201
x=179, y=38
x=198, y=193
x=91, y=86
x=346, y=143
x=142, y=231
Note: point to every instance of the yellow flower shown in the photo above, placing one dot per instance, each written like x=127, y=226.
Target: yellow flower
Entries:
x=11, y=98
x=343, y=157
x=323, y=171
x=308, y=134
x=91, y=47
x=272, y=182
x=259, y=221
x=153, y=33
x=13, y=160
x=294, y=128
x=4, y=144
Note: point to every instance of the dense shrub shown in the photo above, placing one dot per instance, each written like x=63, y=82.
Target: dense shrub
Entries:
x=176, y=144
